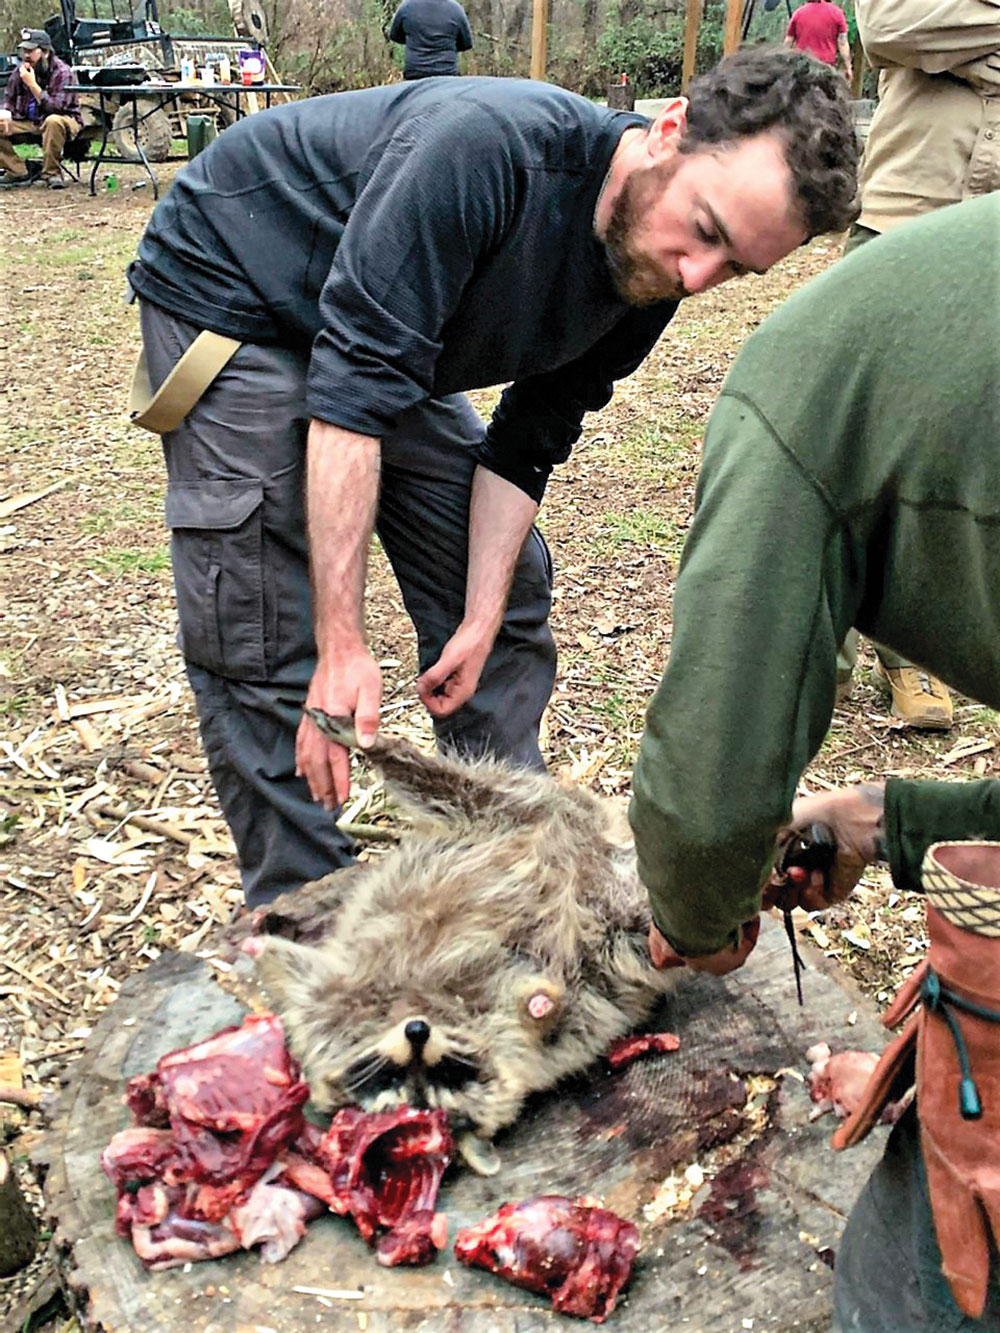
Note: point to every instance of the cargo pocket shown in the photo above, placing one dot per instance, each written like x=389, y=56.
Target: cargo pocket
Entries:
x=216, y=544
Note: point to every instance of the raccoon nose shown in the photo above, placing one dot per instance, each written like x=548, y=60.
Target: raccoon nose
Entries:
x=417, y=1033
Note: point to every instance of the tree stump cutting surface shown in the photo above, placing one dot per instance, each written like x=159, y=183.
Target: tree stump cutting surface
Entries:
x=751, y=1247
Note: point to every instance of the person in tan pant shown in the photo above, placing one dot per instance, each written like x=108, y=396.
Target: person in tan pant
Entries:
x=36, y=102
x=934, y=141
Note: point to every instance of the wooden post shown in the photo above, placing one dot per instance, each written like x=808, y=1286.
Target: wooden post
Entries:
x=857, y=67
x=734, y=22
x=539, y=19
x=692, y=22
x=18, y=1231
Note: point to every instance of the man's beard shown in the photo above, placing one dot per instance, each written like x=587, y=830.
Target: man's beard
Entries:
x=637, y=280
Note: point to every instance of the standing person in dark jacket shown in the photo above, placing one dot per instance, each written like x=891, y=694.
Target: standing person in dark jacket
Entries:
x=433, y=31
x=377, y=252
x=36, y=102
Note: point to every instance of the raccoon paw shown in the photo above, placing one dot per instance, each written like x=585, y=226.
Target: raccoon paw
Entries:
x=479, y=1154
x=339, y=729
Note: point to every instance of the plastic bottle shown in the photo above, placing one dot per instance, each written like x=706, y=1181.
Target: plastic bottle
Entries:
x=187, y=70
x=225, y=69
x=112, y=182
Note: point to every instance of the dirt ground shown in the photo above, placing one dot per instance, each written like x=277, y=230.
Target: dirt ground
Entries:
x=111, y=844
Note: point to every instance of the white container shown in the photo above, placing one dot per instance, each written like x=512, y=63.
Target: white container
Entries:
x=187, y=71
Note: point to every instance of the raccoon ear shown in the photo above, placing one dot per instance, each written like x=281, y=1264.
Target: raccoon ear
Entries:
x=293, y=975
x=539, y=1003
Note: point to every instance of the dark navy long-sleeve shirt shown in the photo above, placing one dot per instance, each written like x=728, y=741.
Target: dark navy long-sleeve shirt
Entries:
x=422, y=239
x=433, y=31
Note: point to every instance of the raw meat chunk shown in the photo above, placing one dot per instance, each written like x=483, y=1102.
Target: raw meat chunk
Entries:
x=241, y=1083
x=626, y=1049
x=837, y=1082
x=579, y=1255
x=199, y=1175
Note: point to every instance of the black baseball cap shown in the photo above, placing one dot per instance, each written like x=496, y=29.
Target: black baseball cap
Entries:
x=32, y=37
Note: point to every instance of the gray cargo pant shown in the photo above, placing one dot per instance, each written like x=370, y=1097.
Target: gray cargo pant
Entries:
x=887, y=1277
x=235, y=469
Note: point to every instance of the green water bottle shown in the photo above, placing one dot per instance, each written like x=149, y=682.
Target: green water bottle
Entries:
x=112, y=182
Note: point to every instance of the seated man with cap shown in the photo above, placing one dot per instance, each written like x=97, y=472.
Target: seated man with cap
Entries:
x=36, y=102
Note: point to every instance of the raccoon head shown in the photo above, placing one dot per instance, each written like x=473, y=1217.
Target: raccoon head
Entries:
x=475, y=1054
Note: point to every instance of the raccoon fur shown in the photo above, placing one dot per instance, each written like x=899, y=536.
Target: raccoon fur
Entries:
x=500, y=948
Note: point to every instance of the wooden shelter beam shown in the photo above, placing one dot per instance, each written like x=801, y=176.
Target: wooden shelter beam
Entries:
x=692, y=22
x=733, y=25
x=539, y=23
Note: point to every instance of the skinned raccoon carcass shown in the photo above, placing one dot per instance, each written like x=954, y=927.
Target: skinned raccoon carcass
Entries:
x=500, y=948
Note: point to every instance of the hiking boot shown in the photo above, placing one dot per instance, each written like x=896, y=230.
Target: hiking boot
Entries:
x=918, y=698
x=31, y=174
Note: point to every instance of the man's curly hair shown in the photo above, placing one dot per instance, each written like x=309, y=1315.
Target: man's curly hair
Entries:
x=772, y=88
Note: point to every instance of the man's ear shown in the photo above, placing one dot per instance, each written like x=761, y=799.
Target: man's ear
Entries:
x=667, y=128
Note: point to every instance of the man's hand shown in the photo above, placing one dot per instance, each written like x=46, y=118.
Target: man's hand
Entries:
x=5, y=115
x=854, y=816
x=28, y=78
x=452, y=680
x=725, y=960
x=347, y=686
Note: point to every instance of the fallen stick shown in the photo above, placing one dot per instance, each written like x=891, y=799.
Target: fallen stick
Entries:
x=90, y=738
x=148, y=825
x=336, y=1294
x=35, y=981
x=26, y=1097
x=137, y=911
x=146, y=773
x=116, y=704
x=16, y=502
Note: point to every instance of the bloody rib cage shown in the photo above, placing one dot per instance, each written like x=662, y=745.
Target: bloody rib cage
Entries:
x=579, y=1255
x=384, y=1170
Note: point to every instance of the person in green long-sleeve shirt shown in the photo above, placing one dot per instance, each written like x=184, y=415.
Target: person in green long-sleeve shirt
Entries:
x=851, y=468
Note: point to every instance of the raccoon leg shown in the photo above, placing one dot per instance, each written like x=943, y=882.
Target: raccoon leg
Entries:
x=454, y=790
x=307, y=915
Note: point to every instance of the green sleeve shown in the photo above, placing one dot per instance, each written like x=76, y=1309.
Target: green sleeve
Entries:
x=918, y=814
x=763, y=599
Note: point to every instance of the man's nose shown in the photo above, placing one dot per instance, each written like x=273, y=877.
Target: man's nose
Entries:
x=701, y=271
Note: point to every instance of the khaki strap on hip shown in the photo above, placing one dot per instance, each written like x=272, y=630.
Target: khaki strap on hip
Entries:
x=194, y=372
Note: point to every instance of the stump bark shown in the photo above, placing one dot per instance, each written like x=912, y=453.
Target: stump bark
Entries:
x=621, y=96
x=18, y=1229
